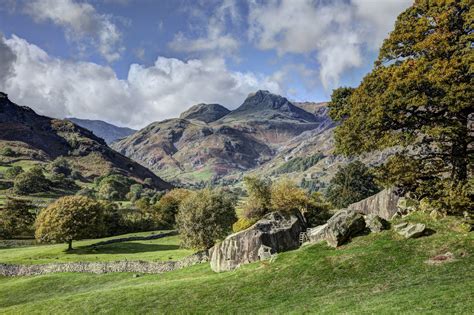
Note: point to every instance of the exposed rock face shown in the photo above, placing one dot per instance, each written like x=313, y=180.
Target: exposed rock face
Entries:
x=274, y=233
x=383, y=204
x=409, y=230
x=375, y=223
x=339, y=228
x=205, y=112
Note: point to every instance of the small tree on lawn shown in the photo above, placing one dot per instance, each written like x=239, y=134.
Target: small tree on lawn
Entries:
x=205, y=217
x=70, y=218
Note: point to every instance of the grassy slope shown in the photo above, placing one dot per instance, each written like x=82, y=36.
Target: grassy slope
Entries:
x=166, y=248
x=372, y=274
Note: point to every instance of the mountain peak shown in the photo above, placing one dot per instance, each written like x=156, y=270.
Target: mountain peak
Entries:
x=205, y=112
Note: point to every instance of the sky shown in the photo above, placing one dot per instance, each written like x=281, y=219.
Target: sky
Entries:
x=133, y=62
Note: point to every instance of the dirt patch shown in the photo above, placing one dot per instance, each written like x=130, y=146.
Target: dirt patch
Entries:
x=441, y=259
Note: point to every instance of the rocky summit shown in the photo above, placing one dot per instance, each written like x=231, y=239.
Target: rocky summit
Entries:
x=205, y=112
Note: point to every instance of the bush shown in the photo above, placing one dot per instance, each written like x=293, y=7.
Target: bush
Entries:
x=257, y=204
x=167, y=208
x=17, y=218
x=70, y=218
x=7, y=151
x=242, y=224
x=60, y=166
x=113, y=187
x=351, y=183
x=287, y=197
x=135, y=192
x=31, y=181
x=205, y=217
x=13, y=172
x=317, y=211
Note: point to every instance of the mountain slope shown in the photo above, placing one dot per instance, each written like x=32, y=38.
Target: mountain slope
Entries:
x=205, y=112
x=190, y=151
x=44, y=138
x=104, y=130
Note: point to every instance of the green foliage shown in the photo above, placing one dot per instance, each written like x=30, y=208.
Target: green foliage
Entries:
x=258, y=201
x=418, y=96
x=287, y=197
x=13, y=172
x=135, y=192
x=17, y=218
x=7, y=151
x=167, y=208
x=31, y=181
x=242, y=224
x=317, y=211
x=113, y=187
x=350, y=184
x=60, y=166
x=298, y=164
x=204, y=217
x=339, y=105
x=70, y=218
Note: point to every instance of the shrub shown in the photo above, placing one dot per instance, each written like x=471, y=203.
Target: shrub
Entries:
x=287, y=197
x=317, y=211
x=135, y=192
x=70, y=218
x=31, y=181
x=257, y=204
x=351, y=183
x=113, y=187
x=242, y=224
x=13, y=172
x=167, y=208
x=17, y=218
x=205, y=217
x=7, y=151
x=60, y=166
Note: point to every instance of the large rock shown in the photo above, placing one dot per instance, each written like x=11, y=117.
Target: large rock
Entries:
x=409, y=230
x=375, y=223
x=274, y=233
x=339, y=228
x=383, y=204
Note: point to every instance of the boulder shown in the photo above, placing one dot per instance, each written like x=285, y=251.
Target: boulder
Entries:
x=275, y=232
x=383, y=204
x=339, y=228
x=409, y=230
x=375, y=223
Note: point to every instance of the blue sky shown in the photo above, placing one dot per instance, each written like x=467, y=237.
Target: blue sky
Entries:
x=134, y=62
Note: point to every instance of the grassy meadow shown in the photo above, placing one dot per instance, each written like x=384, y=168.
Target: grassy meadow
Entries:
x=377, y=273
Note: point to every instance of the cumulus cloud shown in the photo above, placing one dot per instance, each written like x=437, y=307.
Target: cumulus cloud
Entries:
x=62, y=88
x=215, y=39
x=335, y=33
x=82, y=24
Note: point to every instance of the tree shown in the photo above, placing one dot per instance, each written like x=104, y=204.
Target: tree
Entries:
x=205, y=217
x=135, y=192
x=31, y=181
x=60, y=166
x=167, y=208
x=113, y=187
x=70, y=218
x=338, y=107
x=287, y=197
x=16, y=217
x=418, y=96
x=258, y=202
x=13, y=172
x=350, y=184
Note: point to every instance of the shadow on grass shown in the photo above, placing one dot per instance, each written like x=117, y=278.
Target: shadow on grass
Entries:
x=121, y=248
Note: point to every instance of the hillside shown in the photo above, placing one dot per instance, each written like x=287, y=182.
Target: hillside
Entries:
x=38, y=138
x=191, y=151
x=104, y=130
x=373, y=274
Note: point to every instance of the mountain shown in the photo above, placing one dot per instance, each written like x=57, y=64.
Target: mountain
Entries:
x=190, y=151
x=41, y=138
x=104, y=130
x=205, y=112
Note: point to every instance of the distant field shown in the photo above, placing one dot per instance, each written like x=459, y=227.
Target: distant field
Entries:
x=374, y=274
x=166, y=248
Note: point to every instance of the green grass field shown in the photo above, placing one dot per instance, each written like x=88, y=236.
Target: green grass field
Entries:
x=166, y=248
x=377, y=274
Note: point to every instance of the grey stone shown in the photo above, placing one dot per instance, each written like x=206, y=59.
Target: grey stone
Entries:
x=375, y=223
x=274, y=233
x=383, y=204
x=411, y=230
x=339, y=228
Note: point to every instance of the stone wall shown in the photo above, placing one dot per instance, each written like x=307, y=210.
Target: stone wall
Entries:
x=104, y=267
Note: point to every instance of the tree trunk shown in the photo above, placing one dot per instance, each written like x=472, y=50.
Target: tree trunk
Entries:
x=69, y=243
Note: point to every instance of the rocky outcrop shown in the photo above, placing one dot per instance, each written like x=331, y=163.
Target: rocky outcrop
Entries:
x=274, y=233
x=103, y=267
x=383, y=204
x=409, y=230
x=375, y=223
x=339, y=228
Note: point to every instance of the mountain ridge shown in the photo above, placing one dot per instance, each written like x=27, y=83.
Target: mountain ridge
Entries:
x=107, y=131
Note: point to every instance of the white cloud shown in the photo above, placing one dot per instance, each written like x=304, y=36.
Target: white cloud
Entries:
x=82, y=23
x=216, y=39
x=334, y=32
x=61, y=88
